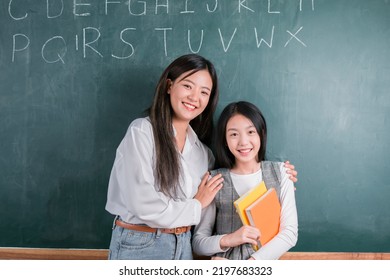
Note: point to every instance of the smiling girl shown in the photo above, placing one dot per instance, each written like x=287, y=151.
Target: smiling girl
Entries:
x=240, y=150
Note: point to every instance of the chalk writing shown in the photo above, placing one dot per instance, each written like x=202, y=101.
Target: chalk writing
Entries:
x=80, y=8
x=125, y=41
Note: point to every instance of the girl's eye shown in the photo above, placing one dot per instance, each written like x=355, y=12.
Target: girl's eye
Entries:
x=252, y=132
x=205, y=93
x=233, y=134
x=187, y=86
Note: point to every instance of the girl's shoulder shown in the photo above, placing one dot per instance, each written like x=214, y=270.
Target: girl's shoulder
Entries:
x=273, y=169
x=223, y=171
x=273, y=165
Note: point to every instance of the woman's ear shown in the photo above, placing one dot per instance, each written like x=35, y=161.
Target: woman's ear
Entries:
x=169, y=85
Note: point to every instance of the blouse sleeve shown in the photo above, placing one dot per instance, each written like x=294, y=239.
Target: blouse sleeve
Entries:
x=288, y=232
x=132, y=185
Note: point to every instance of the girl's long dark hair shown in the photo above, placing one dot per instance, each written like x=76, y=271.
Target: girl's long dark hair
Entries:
x=224, y=158
x=167, y=165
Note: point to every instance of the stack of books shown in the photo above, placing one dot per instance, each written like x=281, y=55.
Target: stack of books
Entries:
x=260, y=208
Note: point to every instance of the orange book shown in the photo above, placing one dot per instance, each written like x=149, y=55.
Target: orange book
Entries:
x=247, y=199
x=264, y=214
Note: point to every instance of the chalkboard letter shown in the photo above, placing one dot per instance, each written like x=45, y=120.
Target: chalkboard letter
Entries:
x=48, y=9
x=140, y=14
x=215, y=7
x=165, y=38
x=161, y=5
x=262, y=40
x=127, y=43
x=269, y=9
x=186, y=9
x=222, y=41
x=240, y=4
x=300, y=5
x=189, y=42
x=14, y=49
x=60, y=57
x=75, y=5
x=10, y=14
x=85, y=44
x=110, y=2
x=295, y=37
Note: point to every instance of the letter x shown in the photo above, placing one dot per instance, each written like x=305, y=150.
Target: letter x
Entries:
x=293, y=36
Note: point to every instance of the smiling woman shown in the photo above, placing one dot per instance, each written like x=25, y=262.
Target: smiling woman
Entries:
x=189, y=96
x=156, y=188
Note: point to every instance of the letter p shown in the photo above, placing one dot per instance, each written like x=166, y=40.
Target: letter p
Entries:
x=16, y=48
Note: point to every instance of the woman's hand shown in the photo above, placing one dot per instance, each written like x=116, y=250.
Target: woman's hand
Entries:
x=208, y=188
x=218, y=258
x=245, y=234
x=291, y=171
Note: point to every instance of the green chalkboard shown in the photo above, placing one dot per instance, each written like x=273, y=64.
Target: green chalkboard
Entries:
x=74, y=74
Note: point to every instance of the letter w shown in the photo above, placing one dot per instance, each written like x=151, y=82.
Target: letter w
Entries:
x=262, y=40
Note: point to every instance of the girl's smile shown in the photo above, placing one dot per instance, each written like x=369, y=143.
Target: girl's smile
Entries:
x=244, y=142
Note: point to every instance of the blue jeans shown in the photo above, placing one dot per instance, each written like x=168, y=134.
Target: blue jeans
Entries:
x=129, y=244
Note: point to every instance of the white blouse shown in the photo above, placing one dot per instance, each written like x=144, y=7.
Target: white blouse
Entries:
x=132, y=191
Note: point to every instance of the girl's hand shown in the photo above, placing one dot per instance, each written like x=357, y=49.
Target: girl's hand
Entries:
x=245, y=234
x=208, y=188
x=291, y=170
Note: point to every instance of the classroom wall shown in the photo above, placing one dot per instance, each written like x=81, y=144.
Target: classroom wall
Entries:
x=74, y=74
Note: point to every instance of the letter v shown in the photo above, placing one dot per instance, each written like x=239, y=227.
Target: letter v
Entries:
x=222, y=41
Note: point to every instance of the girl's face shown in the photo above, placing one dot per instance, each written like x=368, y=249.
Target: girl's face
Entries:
x=243, y=140
x=189, y=96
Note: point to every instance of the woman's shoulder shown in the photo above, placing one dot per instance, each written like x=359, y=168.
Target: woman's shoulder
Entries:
x=139, y=128
x=142, y=124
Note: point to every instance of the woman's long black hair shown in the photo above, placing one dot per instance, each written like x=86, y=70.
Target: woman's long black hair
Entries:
x=167, y=168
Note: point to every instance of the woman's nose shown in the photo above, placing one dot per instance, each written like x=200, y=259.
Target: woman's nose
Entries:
x=194, y=95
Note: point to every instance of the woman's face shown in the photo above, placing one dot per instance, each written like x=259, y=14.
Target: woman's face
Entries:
x=242, y=139
x=189, y=96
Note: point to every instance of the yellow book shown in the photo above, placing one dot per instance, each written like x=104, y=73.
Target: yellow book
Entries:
x=247, y=199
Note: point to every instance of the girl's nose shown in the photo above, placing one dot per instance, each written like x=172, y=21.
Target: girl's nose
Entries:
x=243, y=141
